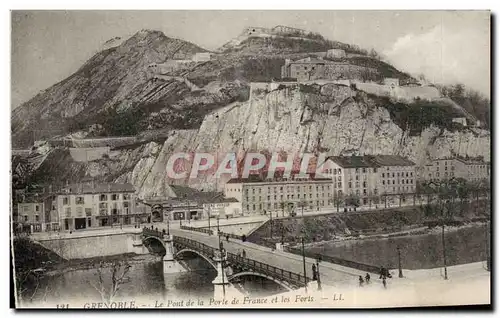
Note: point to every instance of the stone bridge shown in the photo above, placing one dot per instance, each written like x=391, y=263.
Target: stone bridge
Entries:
x=229, y=266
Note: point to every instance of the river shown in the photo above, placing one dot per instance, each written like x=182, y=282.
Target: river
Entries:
x=146, y=277
x=463, y=245
x=146, y=281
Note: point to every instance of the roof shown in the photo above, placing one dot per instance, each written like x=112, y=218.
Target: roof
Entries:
x=253, y=178
x=89, y=188
x=370, y=161
x=183, y=192
x=220, y=199
x=353, y=161
x=392, y=160
x=473, y=161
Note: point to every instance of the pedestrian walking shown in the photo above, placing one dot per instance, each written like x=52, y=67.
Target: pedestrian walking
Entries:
x=361, y=281
x=384, y=282
x=367, y=278
x=382, y=272
x=227, y=237
x=244, y=254
x=315, y=272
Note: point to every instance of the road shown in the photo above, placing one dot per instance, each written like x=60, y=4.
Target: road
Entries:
x=330, y=273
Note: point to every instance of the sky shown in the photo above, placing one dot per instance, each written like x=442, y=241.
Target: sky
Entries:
x=445, y=46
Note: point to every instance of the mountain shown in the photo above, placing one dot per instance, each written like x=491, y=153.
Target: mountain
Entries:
x=149, y=87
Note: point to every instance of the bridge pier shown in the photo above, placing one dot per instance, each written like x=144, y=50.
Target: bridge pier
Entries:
x=137, y=244
x=170, y=264
x=221, y=283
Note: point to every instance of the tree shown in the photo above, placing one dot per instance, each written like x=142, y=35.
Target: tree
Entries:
x=302, y=204
x=282, y=207
x=119, y=275
x=338, y=199
x=352, y=200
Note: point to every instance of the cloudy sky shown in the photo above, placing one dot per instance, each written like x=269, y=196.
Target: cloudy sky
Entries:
x=445, y=46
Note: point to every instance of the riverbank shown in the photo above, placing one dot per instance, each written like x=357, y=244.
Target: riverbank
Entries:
x=90, y=263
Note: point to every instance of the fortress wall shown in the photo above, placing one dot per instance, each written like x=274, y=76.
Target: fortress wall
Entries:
x=88, y=154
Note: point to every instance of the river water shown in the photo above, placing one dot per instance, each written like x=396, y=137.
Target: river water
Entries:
x=147, y=279
x=463, y=245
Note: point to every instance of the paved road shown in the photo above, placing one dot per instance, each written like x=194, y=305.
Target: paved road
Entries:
x=330, y=273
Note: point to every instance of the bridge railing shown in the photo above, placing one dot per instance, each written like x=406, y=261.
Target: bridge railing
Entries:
x=256, y=266
x=336, y=260
x=150, y=232
x=197, y=229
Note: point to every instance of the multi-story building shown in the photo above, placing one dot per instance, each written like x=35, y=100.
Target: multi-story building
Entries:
x=36, y=211
x=369, y=176
x=221, y=207
x=259, y=195
x=447, y=168
x=83, y=206
x=472, y=169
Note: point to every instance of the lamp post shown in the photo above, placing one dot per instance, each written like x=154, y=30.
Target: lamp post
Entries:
x=318, y=260
x=304, y=262
x=168, y=226
x=209, y=208
x=399, y=262
x=271, y=225
x=218, y=229
x=221, y=249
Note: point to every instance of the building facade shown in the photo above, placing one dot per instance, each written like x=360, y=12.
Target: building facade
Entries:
x=36, y=212
x=222, y=208
x=366, y=177
x=260, y=195
x=89, y=205
x=448, y=168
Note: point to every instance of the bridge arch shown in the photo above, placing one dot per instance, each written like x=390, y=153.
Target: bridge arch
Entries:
x=206, y=258
x=282, y=284
x=155, y=238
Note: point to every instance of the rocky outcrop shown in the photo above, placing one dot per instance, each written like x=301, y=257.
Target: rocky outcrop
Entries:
x=334, y=119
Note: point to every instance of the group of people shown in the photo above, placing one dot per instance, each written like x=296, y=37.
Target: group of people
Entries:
x=384, y=274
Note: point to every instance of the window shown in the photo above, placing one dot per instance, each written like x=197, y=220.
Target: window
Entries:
x=393, y=182
x=68, y=212
x=393, y=174
x=364, y=170
x=357, y=170
x=339, y=185
x=364, y=191
x=37, y=218
x=37, y=208
x=339, y=178
x=357, y=178
x=383, y=181
x=350, y=184
x=103, y=197
x=80, y=200
x=398, y=174
x=268, y=198
x=364, y=184
x=357, y=184
x=65, y=200
x=374, y=170
x=88, y=211
x=383, y=175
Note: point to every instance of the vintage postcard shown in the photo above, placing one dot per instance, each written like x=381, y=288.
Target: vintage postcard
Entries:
x=250, y=159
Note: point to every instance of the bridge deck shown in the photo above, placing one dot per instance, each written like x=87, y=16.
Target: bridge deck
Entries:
x=330, y=273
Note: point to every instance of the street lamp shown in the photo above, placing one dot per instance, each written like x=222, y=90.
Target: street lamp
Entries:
x=209, y=208
x=218, y=229
x=399, y=262
x=318, y=260
x=304, y=262
x=168, y=226
x=271, y=225
x=221, y=249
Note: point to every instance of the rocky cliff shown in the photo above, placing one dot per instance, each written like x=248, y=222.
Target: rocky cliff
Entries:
x=331, y=118
x=229, y=113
